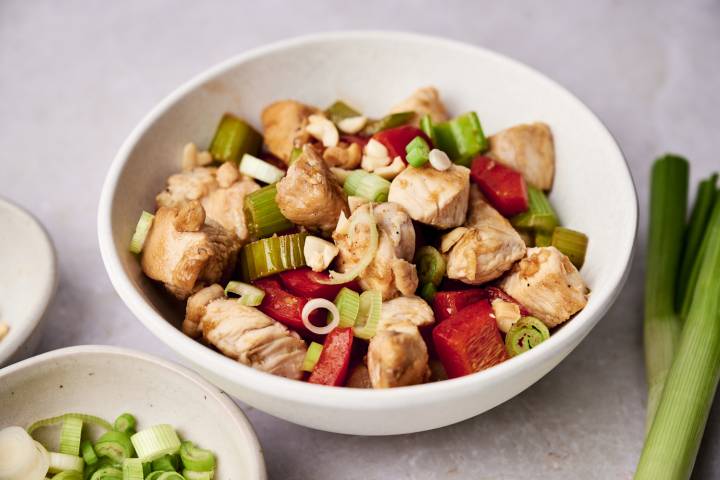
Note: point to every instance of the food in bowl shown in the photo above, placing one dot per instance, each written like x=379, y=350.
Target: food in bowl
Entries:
x=366, y=252
x=121, y=452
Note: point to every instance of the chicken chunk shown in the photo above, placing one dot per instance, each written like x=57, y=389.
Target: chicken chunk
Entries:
x=225, y=206
x=487, y=248
x=185, y=261
x=309, y=194
x=196, y=306
x=398, y=357
x=548, y=285
x=405, y=309
x=423, y=101
x=284, y=125
x=390, y=271
x=245, y=333
x=433, y=197
x=191, y=185
x=528, y=149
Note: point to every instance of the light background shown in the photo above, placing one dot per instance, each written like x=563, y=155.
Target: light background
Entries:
x=76, y=76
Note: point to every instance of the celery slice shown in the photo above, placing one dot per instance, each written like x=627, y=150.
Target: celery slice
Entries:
x=196, y=458
x=155, y=442
x=426, y=125
x=540, y=215
x=233, y=138
x=141, y=230
x=542, y=238
x=369, y=314
x=348, y=304
x=526, y=333
x=272, y=255
x=68, y=475
x=88, y=453
x=339, y=111
x=388, y=121
x=367, y=185
x=249, y=295
x=132, y=469
x=114, y=445
x=70, y=436
x=312, y=356
x=60, y=462
x=125, y=423
x=89, y=419
x=260, y=169
x=166, y=463
x=461, y=138
x=570, y=242
x=262, y=213
x=417, y=152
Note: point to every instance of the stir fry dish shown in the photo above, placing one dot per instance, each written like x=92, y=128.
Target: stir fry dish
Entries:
x=344, y=250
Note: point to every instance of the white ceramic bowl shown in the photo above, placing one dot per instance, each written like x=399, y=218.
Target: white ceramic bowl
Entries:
x=28, y=278
x=107, y=381
x=593, y=192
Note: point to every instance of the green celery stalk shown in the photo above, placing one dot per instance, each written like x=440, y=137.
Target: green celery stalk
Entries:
x=388, y=121
x=339, y=111
x=668, y=203
x=690, y=266
x=672, y=444
x=461, y=138
x=233, y=138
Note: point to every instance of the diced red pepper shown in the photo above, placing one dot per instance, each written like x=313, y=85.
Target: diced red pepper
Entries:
x=283, y=306
x=306, y=283
x=469, y=341
x=332, y=366
x=504, y=187
x=447, y=304
x=396, y=139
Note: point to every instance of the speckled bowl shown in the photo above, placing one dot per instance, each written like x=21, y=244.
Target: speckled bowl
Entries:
x=107, y=381
x=593, y=192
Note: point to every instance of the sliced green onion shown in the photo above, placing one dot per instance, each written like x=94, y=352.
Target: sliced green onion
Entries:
x=461, y=138
x=269, y=256
x=661, y=326
x=706, y=195
x=262, y=213
x=89, y=419
x=154, y=475
x=196, y=458
x=233, y=139
x=132, y=469
x=570, y=242
x=294, y=155
x=170, y=476
x=543, y=239
x=193, y=475
x=389, y=121
x=156, y=441
x=68, y=475
x=311, y=356
x=60, y=462
x=430, y=265
x=125, y=423
x=427, y=292
x=672, y=443
x=526, y=333
x=70, y=436
x=367, y=185
x=339, y=111
x=166, y=463
x=540, y=215
x=260, y=169
x=107, y=473
x=333, y=317
x=417, y=152
x=114, y=445
x=348, y=304
x=88, y=453
x=426, y=125
x=369, y=316
x=358, y=218
x=141, y=230
x=249, y=295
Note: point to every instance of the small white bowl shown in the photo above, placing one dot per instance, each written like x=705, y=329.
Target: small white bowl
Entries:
x=593, y=193
x=28, y=279
x=108, y=381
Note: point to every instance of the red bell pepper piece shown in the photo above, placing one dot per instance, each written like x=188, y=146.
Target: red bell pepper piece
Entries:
x=332, y=366
x=306, y=283
x=396, y=139
x=447, y=304
x=282, y=306
x=469, y=341
x=504, y=187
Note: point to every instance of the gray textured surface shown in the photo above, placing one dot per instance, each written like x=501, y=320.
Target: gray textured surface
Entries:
x=75, y=77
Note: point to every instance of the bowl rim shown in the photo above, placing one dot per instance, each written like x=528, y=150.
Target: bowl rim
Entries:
x=232, y=410
x=324, y=396
x=43, y=294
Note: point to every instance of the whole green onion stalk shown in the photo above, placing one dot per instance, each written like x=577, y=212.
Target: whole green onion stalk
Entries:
x=668, y=203
x=673, y=441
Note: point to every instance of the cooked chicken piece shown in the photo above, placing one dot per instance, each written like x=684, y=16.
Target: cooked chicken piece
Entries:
x=319, y=253
x=430, y=196
x=309, y=195
x=225, y=206
x=354, y=202
x=196, y=306
x=284, y=125
x=359, y=377
x=390, y=272
x=187, y=261
x=186, y=186
x=398, y=357
x=487, y=249
x=245, y=333
x=190, y=217
x=423, y=101
x=506, y=314
x=548, y=285
x=405, y=309
x=528, y=149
